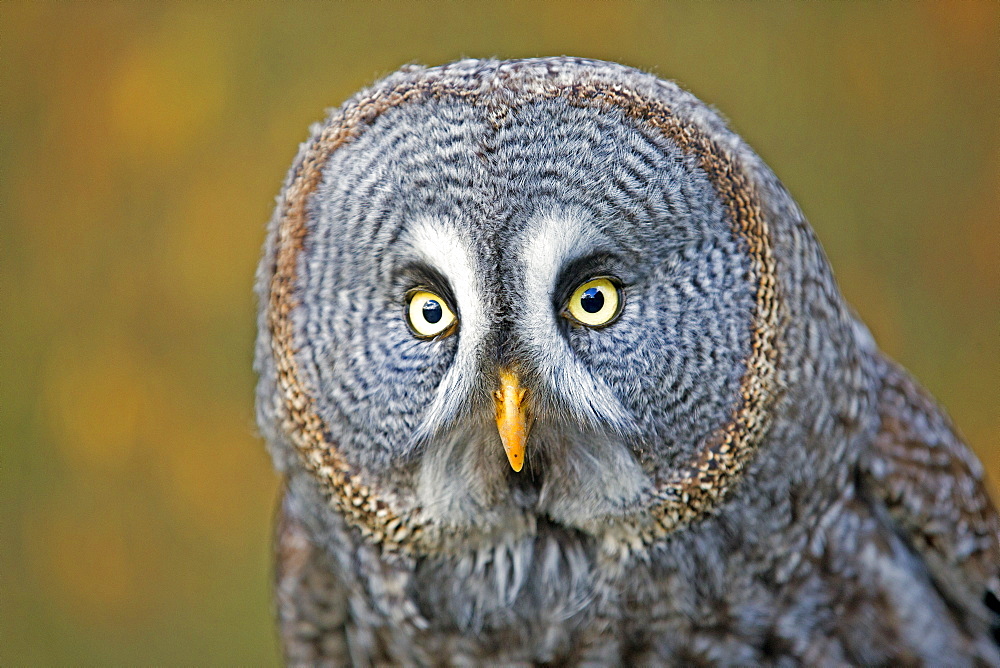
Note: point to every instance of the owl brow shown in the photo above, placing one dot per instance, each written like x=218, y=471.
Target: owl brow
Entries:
x=419, y=274
x=576, y=271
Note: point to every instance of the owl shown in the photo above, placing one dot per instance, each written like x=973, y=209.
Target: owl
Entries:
x=557, y=373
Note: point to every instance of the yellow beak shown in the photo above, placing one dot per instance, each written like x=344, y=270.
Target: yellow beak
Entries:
x=512, y=417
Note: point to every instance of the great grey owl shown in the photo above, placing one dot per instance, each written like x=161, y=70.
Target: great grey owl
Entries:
x=557, y=373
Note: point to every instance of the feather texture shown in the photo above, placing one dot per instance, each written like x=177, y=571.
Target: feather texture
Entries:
x=724, y=470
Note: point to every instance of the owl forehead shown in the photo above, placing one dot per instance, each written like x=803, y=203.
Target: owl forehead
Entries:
x=446, y=183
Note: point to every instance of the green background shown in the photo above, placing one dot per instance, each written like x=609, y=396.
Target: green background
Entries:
x=141, y=147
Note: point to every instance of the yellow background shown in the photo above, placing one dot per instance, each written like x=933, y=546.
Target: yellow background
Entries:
x=141, y=147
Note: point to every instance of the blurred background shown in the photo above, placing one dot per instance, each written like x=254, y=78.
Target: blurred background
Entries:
x=142, y=145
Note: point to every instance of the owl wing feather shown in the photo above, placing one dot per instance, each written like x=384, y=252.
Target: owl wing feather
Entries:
x=932, y=487
x=311, y=600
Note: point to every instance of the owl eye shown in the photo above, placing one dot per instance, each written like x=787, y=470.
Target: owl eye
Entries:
x=596, y=303
x=428, y=314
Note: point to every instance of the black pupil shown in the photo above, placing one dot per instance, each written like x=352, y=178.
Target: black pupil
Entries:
x=592, y=300
x=432, y=311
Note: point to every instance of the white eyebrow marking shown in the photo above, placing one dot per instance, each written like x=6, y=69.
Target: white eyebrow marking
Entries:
x=551, y=241
x=554, y=240
x=441, y=246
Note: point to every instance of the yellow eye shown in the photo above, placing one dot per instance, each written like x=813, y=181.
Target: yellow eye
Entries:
x=595, y=303
x=428, y=314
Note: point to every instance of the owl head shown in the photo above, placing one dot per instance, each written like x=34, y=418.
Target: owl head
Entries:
x=560, y=290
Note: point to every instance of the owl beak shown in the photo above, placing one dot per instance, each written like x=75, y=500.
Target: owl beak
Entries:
x=512, y=422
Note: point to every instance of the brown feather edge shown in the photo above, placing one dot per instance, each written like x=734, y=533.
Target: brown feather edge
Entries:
x=700, y=486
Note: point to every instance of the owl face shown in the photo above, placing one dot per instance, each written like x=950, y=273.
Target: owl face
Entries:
x=526, y=309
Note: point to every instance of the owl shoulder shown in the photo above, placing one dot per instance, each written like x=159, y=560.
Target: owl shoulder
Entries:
x=932, y=488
